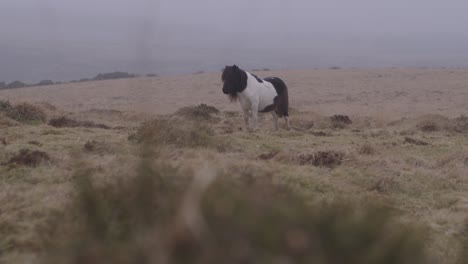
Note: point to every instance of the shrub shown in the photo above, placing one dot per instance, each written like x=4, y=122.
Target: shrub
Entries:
x=44, y=83
x=113, y=76
x=16, y=84
x=2, y=85
x=26, y=113
x=5, y=105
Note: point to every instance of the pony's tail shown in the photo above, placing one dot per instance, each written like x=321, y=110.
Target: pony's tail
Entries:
x=282, y=100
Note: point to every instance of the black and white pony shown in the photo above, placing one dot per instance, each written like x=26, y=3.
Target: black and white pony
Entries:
x=256, y=95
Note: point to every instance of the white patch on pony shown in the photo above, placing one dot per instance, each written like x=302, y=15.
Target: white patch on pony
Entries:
x=256, y=97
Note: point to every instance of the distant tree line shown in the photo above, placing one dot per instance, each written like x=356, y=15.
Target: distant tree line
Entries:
x=99, y=77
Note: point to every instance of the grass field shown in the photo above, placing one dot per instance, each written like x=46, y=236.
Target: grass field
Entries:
x=413, y=167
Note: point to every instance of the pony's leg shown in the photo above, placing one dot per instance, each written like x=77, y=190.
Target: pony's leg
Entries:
x=254, y=116
x=288, y=127
x=246, y=120
x=275, y=119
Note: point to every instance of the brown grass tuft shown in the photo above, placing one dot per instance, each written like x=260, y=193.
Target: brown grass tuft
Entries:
x=168, y=132
x=63, y=122
x=201, y=112
x=5, y=121
x=329, y=159
x=416, y=141
x=321, y=134
x=367, y=149
x=35, y=143
x=98, y=147
x=28, y=158
x=268, y=155
x=461, y=124
x=433, y=123
x=384, y=185
x=340, y=121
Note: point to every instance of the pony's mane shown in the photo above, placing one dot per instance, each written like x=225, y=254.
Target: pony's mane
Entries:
x=237, y=79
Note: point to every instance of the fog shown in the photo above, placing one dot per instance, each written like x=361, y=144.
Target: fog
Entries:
x=66, y=39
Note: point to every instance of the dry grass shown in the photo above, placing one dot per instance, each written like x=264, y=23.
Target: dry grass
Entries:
x=167, y=132
x=367, y=149
x=28, y=158
x=433, y=123
x=63, y=121
x=201, y=112
x=329, y=159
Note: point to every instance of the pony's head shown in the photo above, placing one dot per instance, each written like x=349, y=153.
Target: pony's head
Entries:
x=234, y=81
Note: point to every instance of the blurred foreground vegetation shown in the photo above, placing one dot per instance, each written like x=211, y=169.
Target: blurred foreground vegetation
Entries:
x=160, y=215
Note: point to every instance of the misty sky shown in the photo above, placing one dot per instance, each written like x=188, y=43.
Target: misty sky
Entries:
x=71, y=39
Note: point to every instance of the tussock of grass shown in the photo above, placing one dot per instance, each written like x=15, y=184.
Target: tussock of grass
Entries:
x=330, y=159
x=433, y=123
x=461, y=124
x=28, y=158
x=97, y=147
x=63, y=121
x=340, y=121
x=384, y=185
x=5, y=121
x=367, y=149
x=268, y=155
x=201, y=112
x=167, y=132
x=416, y=141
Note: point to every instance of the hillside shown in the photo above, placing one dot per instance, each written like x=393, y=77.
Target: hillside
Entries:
x=85, y=165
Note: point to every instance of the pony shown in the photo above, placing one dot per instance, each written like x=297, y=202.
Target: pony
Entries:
x=256, y=95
